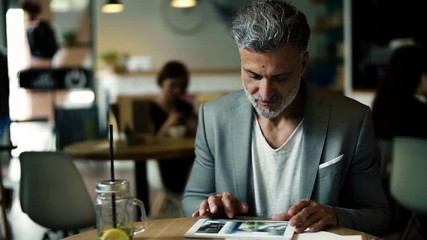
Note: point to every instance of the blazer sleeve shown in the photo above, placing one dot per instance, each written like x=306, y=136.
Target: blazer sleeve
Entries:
x=201, y=182
x=363, y=202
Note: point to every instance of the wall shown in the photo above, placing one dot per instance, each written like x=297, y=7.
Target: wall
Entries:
x=141, y=29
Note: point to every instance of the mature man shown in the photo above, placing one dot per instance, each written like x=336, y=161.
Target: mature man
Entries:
x=280, y=148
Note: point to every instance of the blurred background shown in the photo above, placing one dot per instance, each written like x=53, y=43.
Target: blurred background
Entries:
x=103, y=56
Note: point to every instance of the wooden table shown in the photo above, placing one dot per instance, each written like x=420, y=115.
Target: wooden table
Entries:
x=145, y=148
x=175, y=228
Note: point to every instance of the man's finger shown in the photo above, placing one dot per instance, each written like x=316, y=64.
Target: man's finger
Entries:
x=244, y=207
x=195, y=214
x=294, y=209
x=281, y=217
x=325, y=217
x=228, y=201
x=308, y=222
x=213, y=204
x=301, y=216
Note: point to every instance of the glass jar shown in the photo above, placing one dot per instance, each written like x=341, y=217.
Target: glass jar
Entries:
x=114, y=211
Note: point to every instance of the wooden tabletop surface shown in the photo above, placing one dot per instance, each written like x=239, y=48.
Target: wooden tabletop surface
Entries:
x=145, y=148
x=175, y=228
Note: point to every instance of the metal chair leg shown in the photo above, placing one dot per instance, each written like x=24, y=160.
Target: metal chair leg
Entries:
x=408, y=227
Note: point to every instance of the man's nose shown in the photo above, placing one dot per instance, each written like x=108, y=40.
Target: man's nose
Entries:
x=265, y=90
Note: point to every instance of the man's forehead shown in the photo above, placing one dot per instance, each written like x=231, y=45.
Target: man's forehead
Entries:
x=279, y=61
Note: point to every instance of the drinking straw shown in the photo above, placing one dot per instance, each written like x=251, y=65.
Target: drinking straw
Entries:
x=111, y=154
x=113, y=197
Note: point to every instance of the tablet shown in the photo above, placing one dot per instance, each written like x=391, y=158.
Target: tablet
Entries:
x=242, y=229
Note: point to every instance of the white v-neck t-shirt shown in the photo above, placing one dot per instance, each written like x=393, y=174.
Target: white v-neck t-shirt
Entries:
x=275, y=172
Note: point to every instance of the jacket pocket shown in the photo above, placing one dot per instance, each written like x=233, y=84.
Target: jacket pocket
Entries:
x=331, y=162
x=331, y=167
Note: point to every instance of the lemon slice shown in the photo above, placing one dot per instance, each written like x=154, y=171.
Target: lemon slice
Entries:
x=114, y=234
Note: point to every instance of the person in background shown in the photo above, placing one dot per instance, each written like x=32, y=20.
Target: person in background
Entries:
x=170, y=109
x=40, y=34
x=397, y=111
x=281, y=148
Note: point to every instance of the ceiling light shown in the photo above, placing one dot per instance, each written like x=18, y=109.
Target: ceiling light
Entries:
x=67, y=5
x=183, y=3
x=112, y=6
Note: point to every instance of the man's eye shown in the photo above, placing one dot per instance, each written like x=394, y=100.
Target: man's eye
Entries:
x=280, y=79
x=255, y=76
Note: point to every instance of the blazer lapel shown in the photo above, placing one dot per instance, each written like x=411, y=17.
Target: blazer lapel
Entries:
x=316, y=121
x=241, y=118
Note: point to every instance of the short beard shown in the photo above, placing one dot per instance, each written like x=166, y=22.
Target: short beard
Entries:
x=267, y=112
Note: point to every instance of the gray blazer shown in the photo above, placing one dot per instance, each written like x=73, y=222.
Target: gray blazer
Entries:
x=334, y=125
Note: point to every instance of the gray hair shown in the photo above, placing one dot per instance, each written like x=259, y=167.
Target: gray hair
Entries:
x=268, y=25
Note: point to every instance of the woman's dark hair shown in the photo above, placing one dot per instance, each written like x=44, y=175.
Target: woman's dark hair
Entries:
x=404, y=70
x=32, y=8
x=173, y=69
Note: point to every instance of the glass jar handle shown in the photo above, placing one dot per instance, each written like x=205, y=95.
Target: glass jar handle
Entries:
x=140, y=204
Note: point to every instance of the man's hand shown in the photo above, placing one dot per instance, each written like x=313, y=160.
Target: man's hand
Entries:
x=309, y=214
x=221, y=204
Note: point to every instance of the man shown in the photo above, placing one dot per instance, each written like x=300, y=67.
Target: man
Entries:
x=291, y=152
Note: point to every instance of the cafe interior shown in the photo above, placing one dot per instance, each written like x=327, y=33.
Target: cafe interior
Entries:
x=92, y=92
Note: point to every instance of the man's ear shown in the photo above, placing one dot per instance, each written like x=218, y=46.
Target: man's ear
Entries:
x=304, y=63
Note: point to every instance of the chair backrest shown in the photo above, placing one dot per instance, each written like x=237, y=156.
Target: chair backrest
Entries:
x=129, y=112
x=52, y=192
x=142, y=122
x=408, y=177
x=75, y=124
x=385, y=147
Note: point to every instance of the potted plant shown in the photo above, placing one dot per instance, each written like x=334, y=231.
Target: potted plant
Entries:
x=70, y=38
x=112, y=60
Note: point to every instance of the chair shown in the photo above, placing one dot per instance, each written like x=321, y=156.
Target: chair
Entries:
x=113, y=116
x=165, y=203
x=385, y=148
x=75, y=124
x=53, y=194
x=5, y=193
x=133, y=112
x=408, y=176
x=5, y=232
